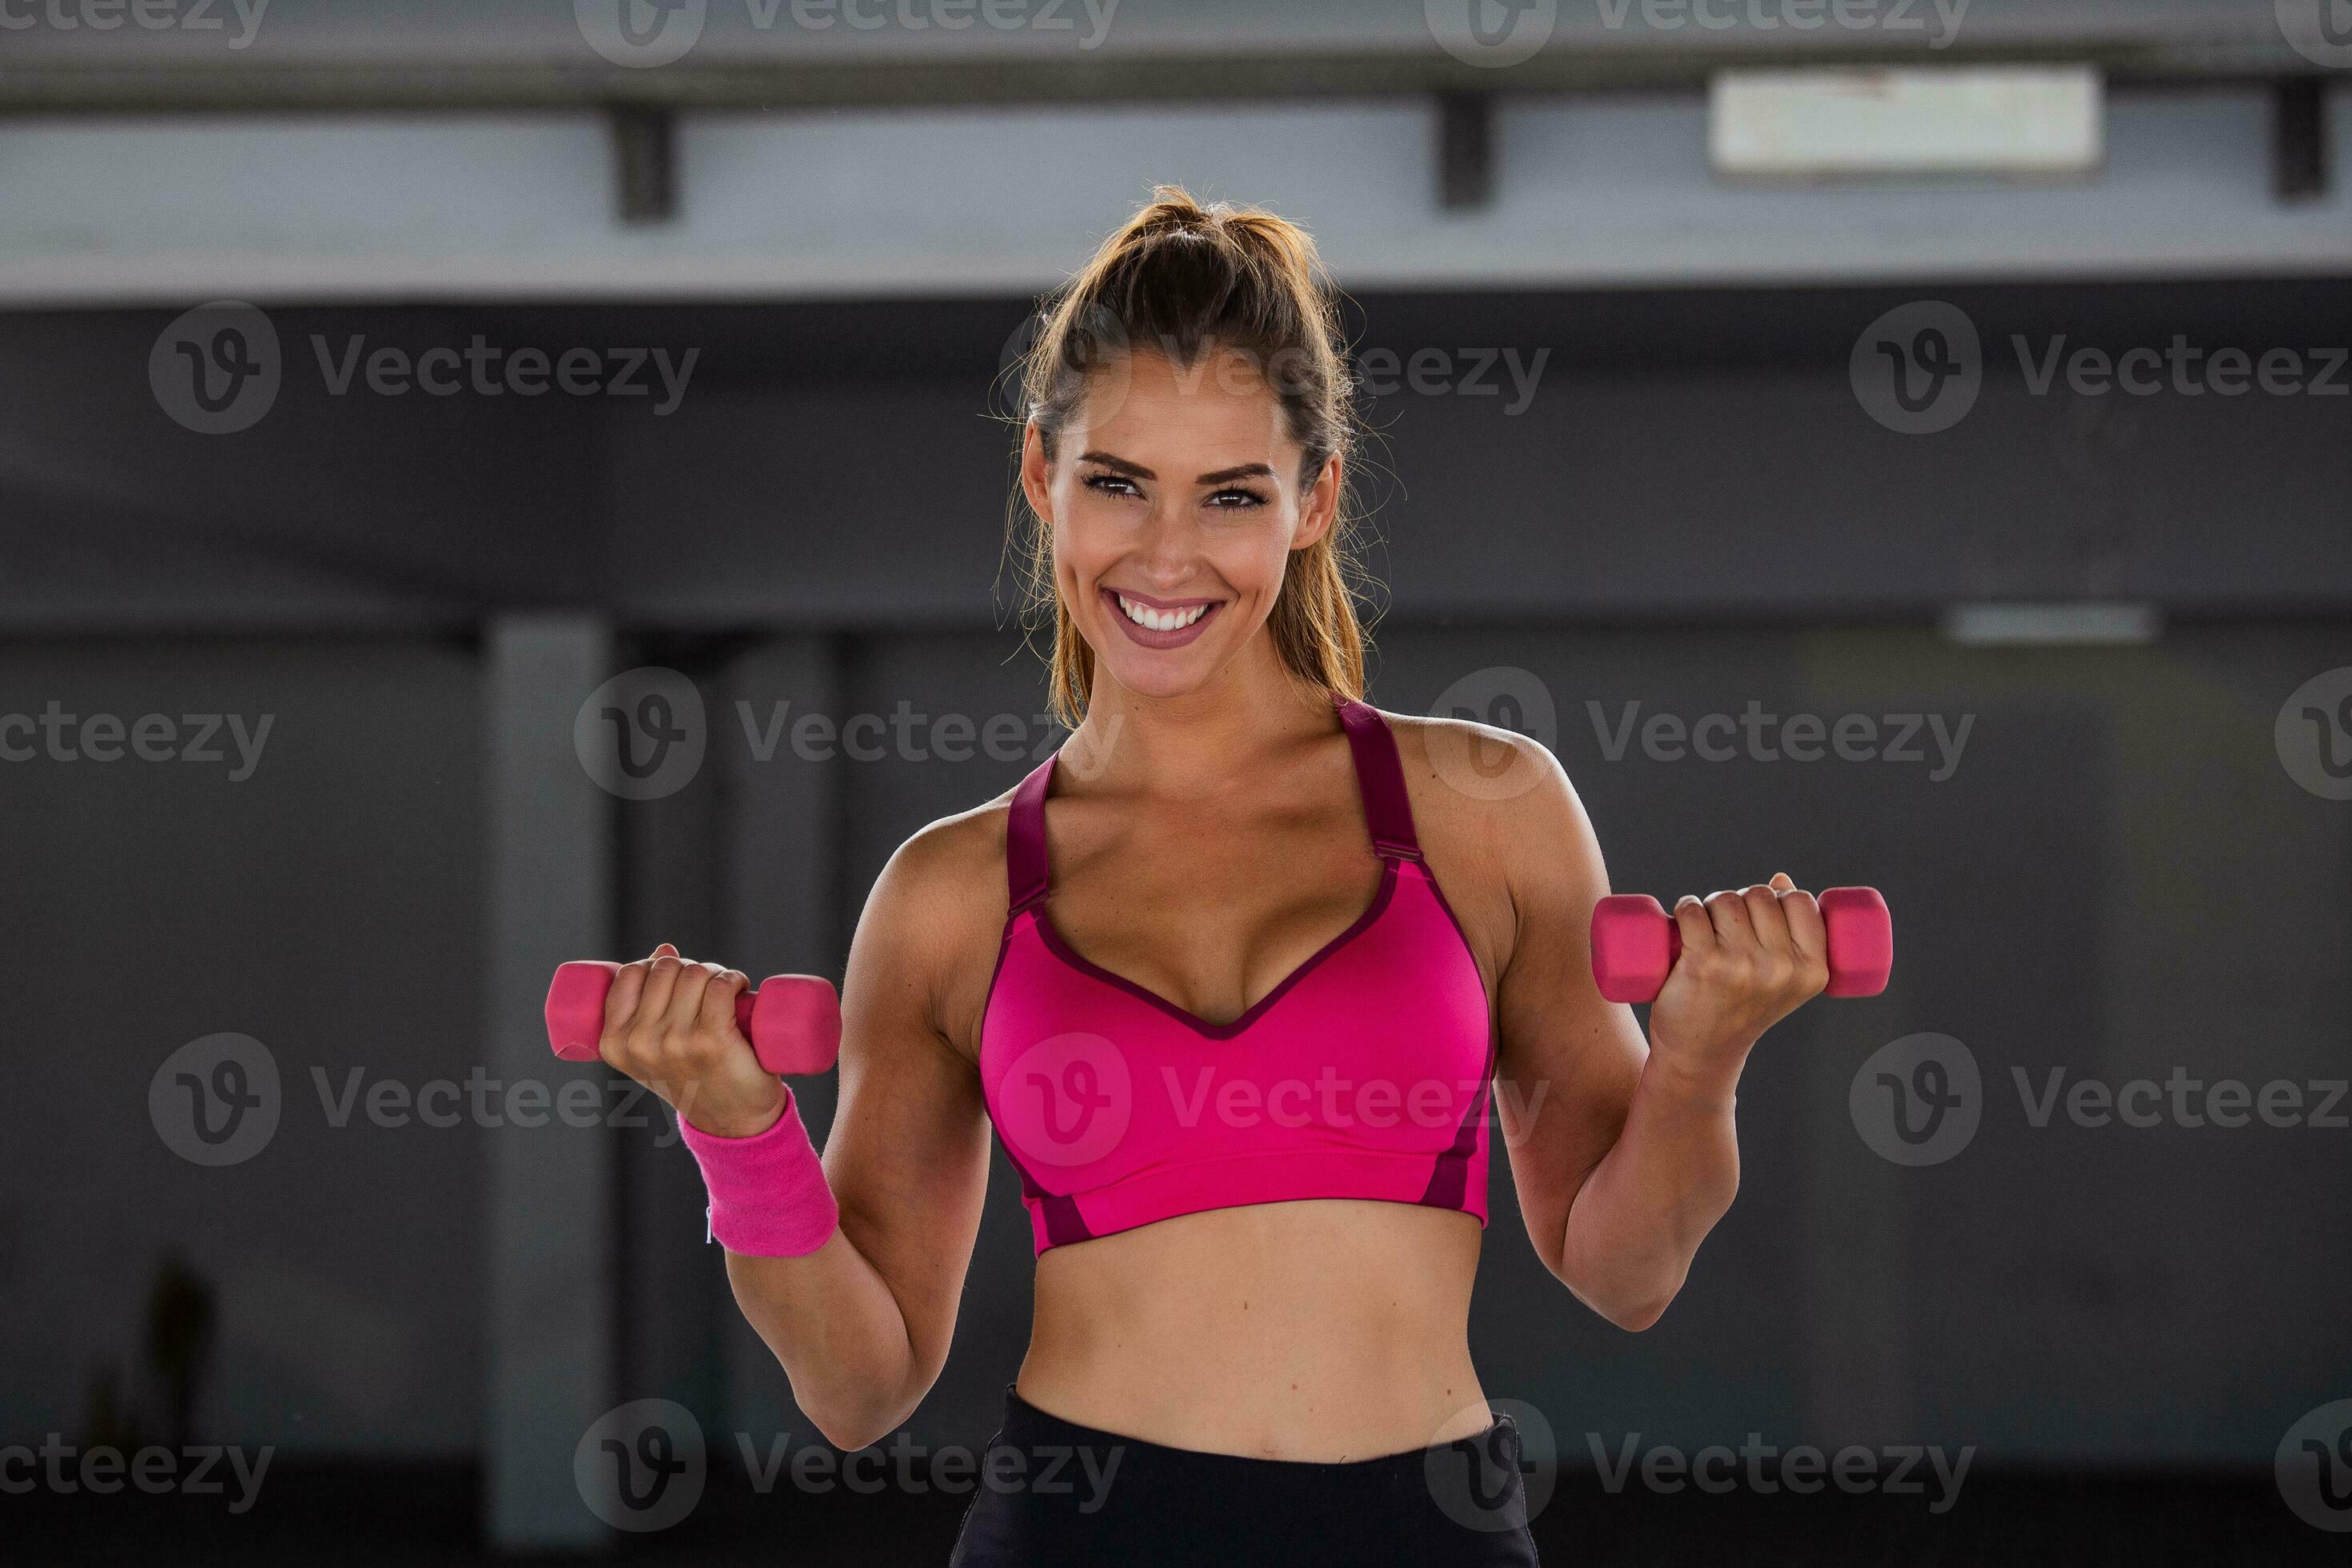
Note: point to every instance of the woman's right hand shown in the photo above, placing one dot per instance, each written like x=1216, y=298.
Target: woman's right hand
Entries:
x=670, y=1024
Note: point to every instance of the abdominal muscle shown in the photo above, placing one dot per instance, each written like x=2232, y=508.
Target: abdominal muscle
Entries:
x=1323, y=1330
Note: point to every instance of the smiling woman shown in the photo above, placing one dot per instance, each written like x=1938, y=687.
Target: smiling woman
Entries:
x=1228, y=315
x=1233, y=977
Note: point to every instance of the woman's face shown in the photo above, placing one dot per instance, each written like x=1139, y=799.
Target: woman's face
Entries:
x=1174, y=503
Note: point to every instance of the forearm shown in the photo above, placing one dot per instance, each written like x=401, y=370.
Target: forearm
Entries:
x=1641, y=1214
x=840, y=1334
x=813, y=1275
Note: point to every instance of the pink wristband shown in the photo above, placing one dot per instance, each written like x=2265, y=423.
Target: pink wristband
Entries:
x=768, y=1195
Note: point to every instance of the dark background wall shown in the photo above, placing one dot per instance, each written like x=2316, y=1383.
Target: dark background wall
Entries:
x=2118, y=878
x=1680, y=453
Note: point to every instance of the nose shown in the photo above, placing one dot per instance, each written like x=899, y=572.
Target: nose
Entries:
x=1171, y=548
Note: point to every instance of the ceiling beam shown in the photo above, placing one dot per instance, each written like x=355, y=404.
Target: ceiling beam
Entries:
x=239, y=86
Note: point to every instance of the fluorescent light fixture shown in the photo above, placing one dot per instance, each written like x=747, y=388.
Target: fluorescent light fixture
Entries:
x=2041, y=625
x=2028, y=121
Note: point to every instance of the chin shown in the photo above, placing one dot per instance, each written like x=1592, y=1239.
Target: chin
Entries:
x=1157, y=678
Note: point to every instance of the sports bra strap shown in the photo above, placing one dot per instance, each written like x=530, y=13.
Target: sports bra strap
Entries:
x=1381, y=776
x=1026, y=872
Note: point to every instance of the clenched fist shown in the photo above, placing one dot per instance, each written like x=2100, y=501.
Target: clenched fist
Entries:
x=670, y=1024
x=1749, y=959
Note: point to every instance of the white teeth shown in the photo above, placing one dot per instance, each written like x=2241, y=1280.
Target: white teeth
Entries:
x=1160, y=620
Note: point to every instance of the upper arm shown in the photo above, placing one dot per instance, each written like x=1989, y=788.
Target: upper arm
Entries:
x=1529, y=871
x=908, y=1154
x=1560, y=1039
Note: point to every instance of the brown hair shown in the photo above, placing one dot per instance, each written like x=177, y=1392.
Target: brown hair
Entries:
x=1187, y=281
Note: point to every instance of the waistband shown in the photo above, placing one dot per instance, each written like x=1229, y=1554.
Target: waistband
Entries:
x=1028, y=1427
x=1056, y=1494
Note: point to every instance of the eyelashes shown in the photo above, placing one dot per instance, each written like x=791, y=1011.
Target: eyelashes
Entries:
x=1232, y=498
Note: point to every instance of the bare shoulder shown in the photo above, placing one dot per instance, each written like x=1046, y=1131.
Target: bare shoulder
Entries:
x=1485, y=786
x=935, y=915
x=1496, y=817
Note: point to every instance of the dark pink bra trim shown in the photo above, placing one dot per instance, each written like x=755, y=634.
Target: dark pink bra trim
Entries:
x=1026, y=874
x=1061, y=949
x=1388, y=813
x=1449, y=1182
x=1380, y=776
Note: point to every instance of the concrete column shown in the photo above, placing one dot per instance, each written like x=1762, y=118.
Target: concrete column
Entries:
x=781, y=905
x=549, y=853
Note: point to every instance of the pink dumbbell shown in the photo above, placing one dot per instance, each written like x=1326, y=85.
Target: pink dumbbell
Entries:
x=793, y=1021
x=1635, y=944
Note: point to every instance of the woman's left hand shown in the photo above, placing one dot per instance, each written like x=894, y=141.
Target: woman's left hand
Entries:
x=1749, y=959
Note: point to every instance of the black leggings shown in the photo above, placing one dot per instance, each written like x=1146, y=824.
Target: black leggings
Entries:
x=1052, y=1492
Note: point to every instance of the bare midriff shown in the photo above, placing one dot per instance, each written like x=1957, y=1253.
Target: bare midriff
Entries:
x=1323, y=1330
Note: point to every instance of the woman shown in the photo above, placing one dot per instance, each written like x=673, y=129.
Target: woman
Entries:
x=1232, y=981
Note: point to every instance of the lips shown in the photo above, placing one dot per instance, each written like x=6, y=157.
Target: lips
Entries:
x=1171, y=631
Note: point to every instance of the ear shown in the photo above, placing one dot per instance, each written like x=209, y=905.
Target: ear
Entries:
x=1320, y=508
x=1036, y=474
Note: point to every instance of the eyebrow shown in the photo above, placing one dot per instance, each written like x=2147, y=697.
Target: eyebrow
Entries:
x=1138, y=471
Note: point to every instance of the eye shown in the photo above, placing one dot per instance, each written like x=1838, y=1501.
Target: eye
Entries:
x=1112, y=485
x=1235, y=499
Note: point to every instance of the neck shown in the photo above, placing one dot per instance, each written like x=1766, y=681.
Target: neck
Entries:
x=1203, y=743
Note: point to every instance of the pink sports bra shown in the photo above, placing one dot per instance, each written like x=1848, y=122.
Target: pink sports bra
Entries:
x=1362, y=1075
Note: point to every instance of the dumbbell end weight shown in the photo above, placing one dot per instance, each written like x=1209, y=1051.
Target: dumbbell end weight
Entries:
x=1861, y=940
x=793, y=1021
x=1635, y=944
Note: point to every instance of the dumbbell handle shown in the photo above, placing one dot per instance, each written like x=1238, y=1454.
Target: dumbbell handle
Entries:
x=1635, y=944
x=793, y=1021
